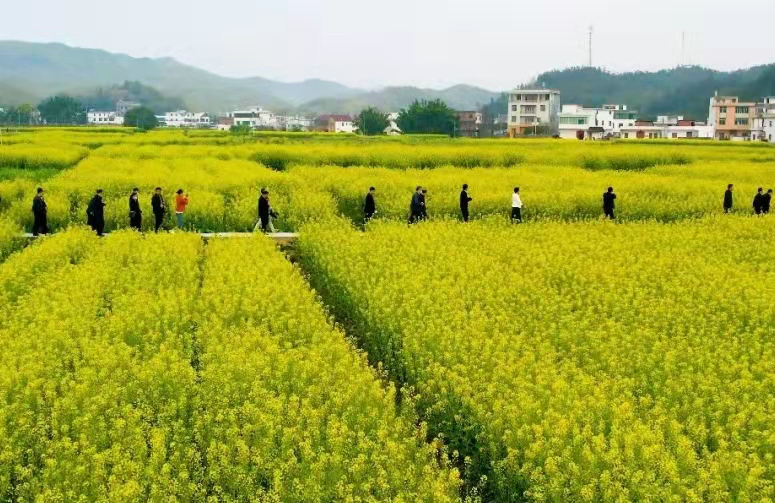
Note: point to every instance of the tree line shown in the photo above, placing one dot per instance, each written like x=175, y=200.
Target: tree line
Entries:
x=64, y=109
x=421, y=117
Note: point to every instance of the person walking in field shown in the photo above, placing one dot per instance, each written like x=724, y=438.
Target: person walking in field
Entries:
x=265, y=212
x=728, y=200
x=135, y=213
x=464, y=200
x=757, y=201
x=181, y=203
x=159, y=208
x=766, y=200
x=608, y=203
x=39, y=213
x=369, y=205
x=95, y=213
x=516, y=207
x=416, y=206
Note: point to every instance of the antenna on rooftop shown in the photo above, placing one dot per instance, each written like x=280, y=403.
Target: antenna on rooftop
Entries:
x=590, y=46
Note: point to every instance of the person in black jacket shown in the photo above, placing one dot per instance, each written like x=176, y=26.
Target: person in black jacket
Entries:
x=766, y=200
x=40, y=214
x=159, y=208
x=608, y=203
x=95, y=213
x=757, y=201
x=728, y=198
x=265, y=212
x=135, y=213
x=416, y=206
x=369, y=206
x=464, y=200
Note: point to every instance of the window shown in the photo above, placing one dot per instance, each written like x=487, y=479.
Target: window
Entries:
x=688, y=134
x=722, y=110
x=770, y=123
x=741, y=122
x=575, y=121
x=547, y=97
x=513, y=108
x=621, y=125
x=675, y=135
x=741, y=110
x=626, y=135
x=722, y=122
x=543, y=108
x=518, y=97
x=528, y=109
x=514, y=118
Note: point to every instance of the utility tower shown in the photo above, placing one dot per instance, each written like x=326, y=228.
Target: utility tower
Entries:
x=590, y=46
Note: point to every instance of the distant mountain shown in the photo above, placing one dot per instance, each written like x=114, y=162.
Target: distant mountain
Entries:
x=31, y=71
x=392, y=99
x=684, y=91
x=12, y=95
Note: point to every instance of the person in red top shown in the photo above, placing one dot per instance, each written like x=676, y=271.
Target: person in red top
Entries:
x=181, y=202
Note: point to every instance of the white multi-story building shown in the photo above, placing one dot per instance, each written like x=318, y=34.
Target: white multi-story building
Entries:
x=763, y=127
x=123, y=106
x=294, y=122
x=576, y=121
x=336, y=123
x=669, y=120
x=667, y=128
x=104, y=118
x=254, y=117
x=529, y=108
x=184, y=119
x=622, y=116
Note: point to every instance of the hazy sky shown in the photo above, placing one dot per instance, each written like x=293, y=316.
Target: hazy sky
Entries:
x=495, y=44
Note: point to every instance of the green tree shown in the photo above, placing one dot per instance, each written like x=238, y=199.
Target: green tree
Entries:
x=141, y=118
x=62, y=110
x=371, y=121
x=23, y=115
x=241, y=129
x=427, y=117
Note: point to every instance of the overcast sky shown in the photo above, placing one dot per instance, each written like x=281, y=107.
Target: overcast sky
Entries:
x=495, y=44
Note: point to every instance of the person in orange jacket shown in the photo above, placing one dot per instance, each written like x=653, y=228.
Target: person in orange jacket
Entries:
x=181, y=203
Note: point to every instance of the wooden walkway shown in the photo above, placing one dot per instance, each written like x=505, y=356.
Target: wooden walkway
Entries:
x=282, y=238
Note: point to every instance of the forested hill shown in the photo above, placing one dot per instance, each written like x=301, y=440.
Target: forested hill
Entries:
x=30, y=72
x=683, y=91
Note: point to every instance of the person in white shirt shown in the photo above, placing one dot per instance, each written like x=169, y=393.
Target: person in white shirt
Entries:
x=516, y=207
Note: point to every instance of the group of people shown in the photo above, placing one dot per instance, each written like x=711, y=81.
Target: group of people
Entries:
x=95, y=211
x=418, y=209
x=761, y=201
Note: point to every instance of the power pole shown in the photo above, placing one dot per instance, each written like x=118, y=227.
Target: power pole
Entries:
x=590, y=46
